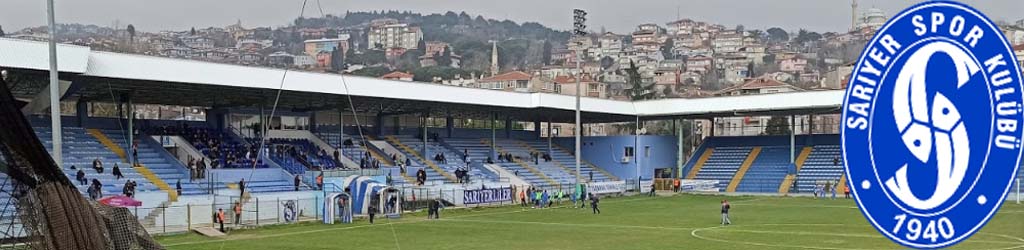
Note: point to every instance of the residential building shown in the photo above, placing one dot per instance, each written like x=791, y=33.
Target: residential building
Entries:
x=398, y=76
x=394, y=52
x=610, y=40
x=198, y=42
x=280, y=59
x=872, y=19
x=727, y=43
x=387, y=34
x=566, y=85
x=541, y=84
x=323, y=59
x=699, y=64
x=736, y=74
x=304, y=61
x=793, y=65
x=316, y=46
x=253, y=44
x=435, y=47
x=682, y=27
x=834, y=79
x=754, y=125
x=250, y=58
x=648, y=37
x=313, y=33
x=1019, y=50
x=510, y=81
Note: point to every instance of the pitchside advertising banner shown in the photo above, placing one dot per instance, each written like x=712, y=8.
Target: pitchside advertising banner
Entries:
x=489, y=195
x=606, y=187
x=698, y=185
x=931, y=130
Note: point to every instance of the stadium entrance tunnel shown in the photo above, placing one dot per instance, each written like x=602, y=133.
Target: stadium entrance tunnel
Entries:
x=337, y=207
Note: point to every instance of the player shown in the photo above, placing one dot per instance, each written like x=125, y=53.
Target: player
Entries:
x=725, y=213
x=593, y=203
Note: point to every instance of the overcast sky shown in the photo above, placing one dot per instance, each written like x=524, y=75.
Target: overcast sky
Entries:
x=615, y=15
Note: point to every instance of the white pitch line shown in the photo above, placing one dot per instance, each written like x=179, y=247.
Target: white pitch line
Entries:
x=373, y=225
x=571, y=224
x=727, y=229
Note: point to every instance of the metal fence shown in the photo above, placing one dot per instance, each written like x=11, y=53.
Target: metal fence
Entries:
x=254, y=212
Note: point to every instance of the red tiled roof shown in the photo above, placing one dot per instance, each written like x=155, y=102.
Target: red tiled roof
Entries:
x=1018, y=47
x=757, y=83
x=509, y=76
x=396, y=75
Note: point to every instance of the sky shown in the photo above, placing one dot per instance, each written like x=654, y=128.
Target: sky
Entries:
x=614, y=15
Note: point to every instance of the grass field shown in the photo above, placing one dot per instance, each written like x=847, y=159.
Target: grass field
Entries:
x=676, y=222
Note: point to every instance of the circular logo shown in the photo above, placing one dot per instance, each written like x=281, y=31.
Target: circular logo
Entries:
x=931, y=127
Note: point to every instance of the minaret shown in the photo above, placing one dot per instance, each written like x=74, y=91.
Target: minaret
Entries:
x=853, y=14
x=494, y=58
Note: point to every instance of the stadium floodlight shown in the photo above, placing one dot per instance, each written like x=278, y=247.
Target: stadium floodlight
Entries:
x=579, y=18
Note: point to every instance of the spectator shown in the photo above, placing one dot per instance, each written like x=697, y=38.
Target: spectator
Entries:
x=177, y=186
x=97, y=165
x=298, y=181
x=320, y=181
x=117, y=172
x=594, y=200
x=80, y=176
x=135, y=153
x=95, y=190
x=241, y=188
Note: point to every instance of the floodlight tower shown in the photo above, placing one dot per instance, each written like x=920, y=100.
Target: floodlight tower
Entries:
x=580, y=31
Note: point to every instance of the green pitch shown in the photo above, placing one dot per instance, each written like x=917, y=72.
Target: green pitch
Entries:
x=677, y=222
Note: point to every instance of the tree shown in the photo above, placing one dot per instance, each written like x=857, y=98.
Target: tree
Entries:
x=739, y=29
x=546, y=54
x=666, y=48
x=444, y=58
x=421, y=46
x=131, y=33
x=2, y=31
x=776, y=34
x=372, y=71
x=337, y=60
x=193, y=31
x=756, y=34
x=607, y=62
x=777, y=125
x=637, y=90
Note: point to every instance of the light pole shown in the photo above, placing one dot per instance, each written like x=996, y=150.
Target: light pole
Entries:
x=580, y=31
x=55, y=129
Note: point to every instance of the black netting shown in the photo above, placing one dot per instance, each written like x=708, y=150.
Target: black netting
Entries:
x=40, y=208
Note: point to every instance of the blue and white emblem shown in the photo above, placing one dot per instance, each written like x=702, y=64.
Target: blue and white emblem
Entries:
x=932, y=125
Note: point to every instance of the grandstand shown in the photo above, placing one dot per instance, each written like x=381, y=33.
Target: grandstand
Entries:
x=738, y=164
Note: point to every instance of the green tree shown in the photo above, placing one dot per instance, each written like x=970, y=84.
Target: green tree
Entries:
x=666, y=48
x=776, y=34
x=637, y=90
x=421, y=46
x=372, y=71
x=337, y=60
x=193, y=31
x=131, y=35
x=546, y=56
x=444, y=58
x=777, y=125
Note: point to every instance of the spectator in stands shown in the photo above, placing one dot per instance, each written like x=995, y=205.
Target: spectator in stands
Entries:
x=408, y=162
x=835, y=161
x=337, y=155
x=125, y=189
x=238, y=213
x=465, y=155
x=725, y=213
x=320, y=181
x=676, y=184
x=220, y=219
x=94, y=190
x=191, y=169
x=177, y=186
x=517, y=172
x=591, y=174
x=388, y=180
x=298, y=181
x=97, y=165
x=594, y=200
x=135, y=154
x=117, y=172
x=80, y=176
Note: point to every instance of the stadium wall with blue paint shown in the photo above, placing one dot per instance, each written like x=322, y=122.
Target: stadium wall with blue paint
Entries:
x=607, y=151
